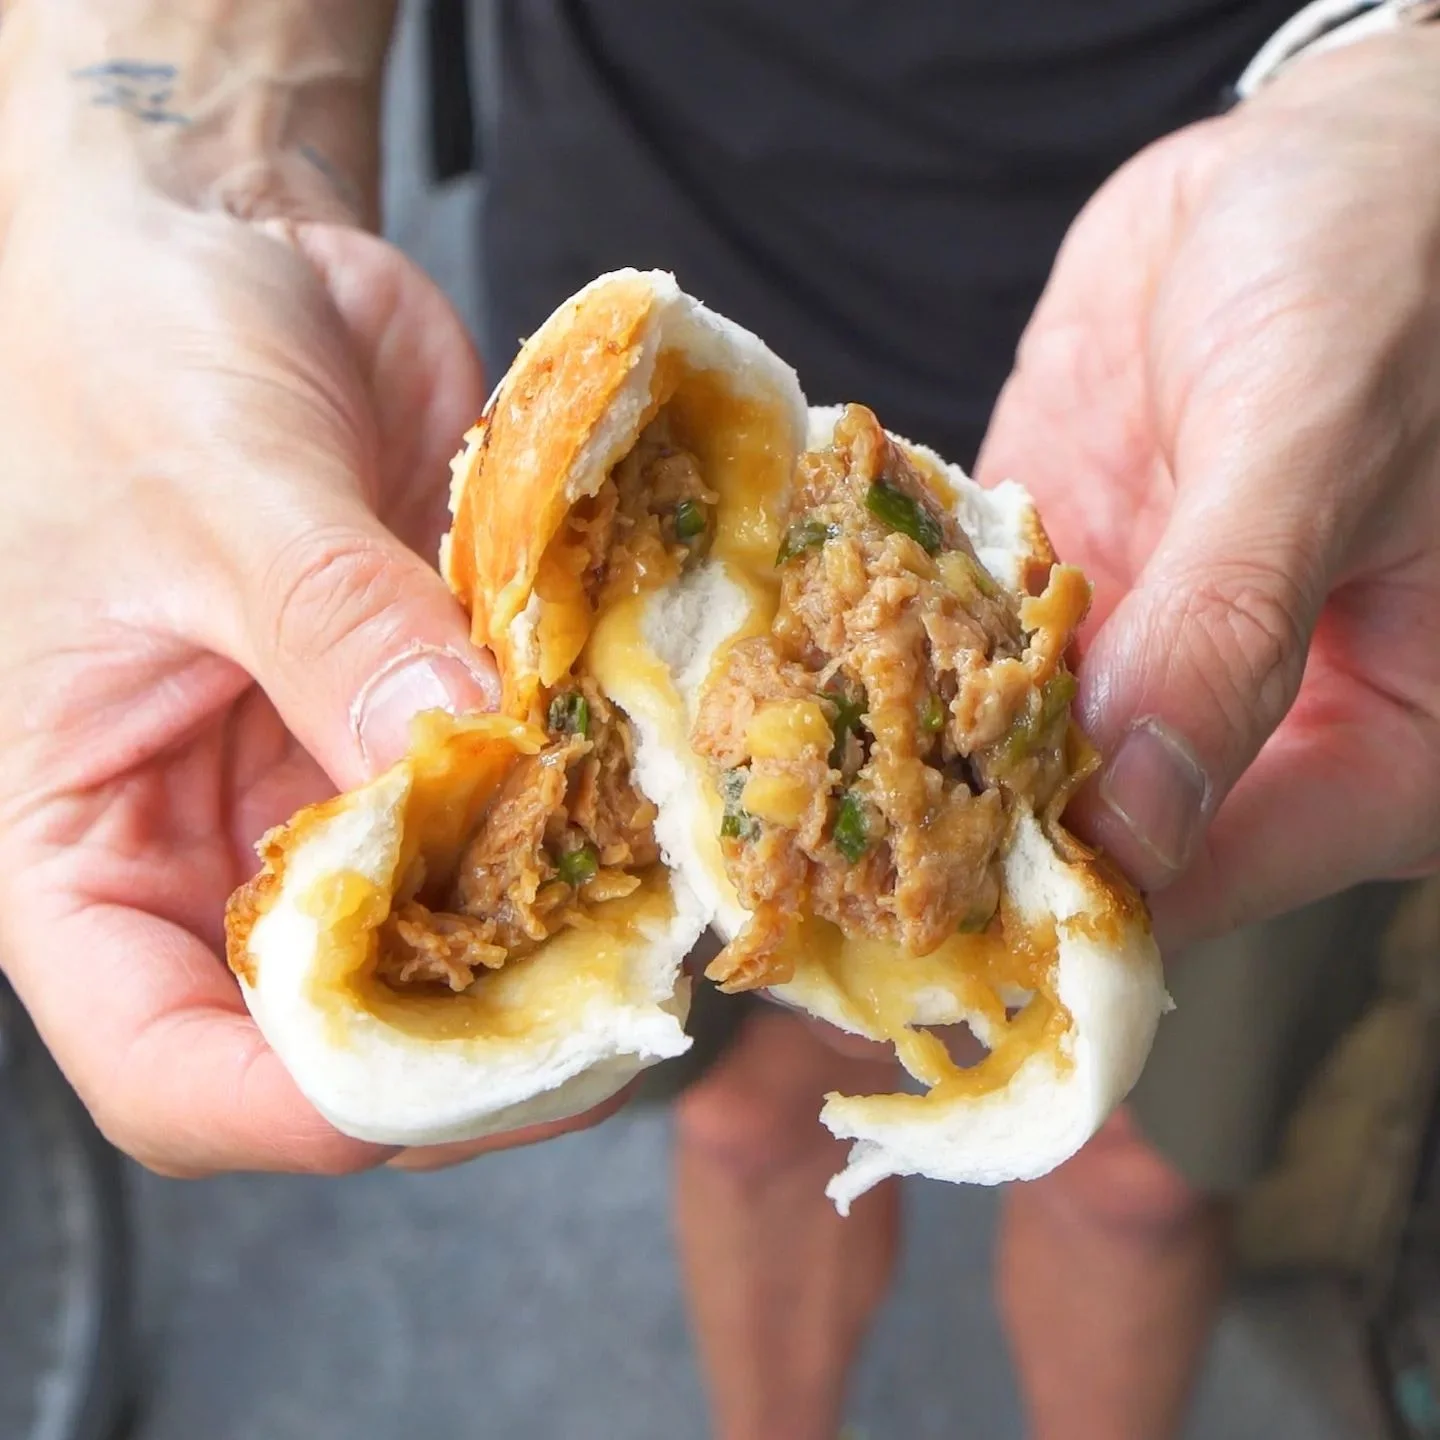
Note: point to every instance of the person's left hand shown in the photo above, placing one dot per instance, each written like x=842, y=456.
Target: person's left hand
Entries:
x=1227, y=406
x=223, y=471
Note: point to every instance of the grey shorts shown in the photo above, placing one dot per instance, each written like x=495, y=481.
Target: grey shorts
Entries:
x=1255, y=1013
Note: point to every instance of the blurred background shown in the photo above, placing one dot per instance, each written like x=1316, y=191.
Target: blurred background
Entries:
x=535, y=1293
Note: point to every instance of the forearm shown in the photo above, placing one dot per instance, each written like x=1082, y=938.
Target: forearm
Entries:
x=258, y=106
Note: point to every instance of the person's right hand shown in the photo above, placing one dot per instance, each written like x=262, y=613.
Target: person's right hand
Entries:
x=223, y=453
x=1225, y=405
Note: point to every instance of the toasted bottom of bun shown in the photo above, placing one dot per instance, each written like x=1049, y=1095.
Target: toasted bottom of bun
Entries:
x=546, y=1037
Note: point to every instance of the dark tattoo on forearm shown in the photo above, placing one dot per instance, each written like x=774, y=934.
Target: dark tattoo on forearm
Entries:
x=140, y=88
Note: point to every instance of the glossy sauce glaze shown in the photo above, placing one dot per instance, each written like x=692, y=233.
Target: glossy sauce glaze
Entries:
x=541, y=994
x=879, y=989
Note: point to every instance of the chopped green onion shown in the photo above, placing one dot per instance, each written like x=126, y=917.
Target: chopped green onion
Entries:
x=1055, y=698
x=577, y=866
x=732, y=786
x=897, y=510
x=1030, y=729
x=984, y=581
x=848, y=713
x=804, y=535
x=852, y=829
x=933, y=716
x=690, y=521
x=737, y=824
x=570, y=715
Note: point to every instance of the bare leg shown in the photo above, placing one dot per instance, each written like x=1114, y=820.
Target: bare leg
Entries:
x=1111, y=1270
x=781, y=1289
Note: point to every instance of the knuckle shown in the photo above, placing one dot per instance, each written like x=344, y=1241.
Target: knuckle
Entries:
x=1253, y=625
x=331, y=587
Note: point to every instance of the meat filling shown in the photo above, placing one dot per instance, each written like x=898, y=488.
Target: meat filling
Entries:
x=568, y=830
x=645, y=524
x=872, y=747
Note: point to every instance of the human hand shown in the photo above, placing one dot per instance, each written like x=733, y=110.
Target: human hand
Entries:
x=225, y=446
x=1225, y=405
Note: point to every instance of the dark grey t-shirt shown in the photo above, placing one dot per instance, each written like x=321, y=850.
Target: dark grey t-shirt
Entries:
x=877, y=187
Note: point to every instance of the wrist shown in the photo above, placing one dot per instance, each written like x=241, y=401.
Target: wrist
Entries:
x=270, y=108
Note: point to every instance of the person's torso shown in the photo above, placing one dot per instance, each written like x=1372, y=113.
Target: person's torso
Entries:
x=877, y=190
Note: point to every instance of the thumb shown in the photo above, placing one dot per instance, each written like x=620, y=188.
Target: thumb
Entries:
x=1195, y=668
x=351, y=634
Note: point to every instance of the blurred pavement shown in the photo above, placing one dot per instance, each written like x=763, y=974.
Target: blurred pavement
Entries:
x=533, y=1296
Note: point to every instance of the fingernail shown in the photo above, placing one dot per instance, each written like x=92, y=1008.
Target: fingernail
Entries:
x=1156, y=788
x=425, y=679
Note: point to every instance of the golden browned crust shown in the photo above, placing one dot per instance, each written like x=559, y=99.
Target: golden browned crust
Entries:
x=246, y=906
x=510, y=495
x=257, y=895
x=1039, y=554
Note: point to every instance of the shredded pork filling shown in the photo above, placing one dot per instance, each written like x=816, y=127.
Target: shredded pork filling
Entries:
x=872, y=748
x=568, y=829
